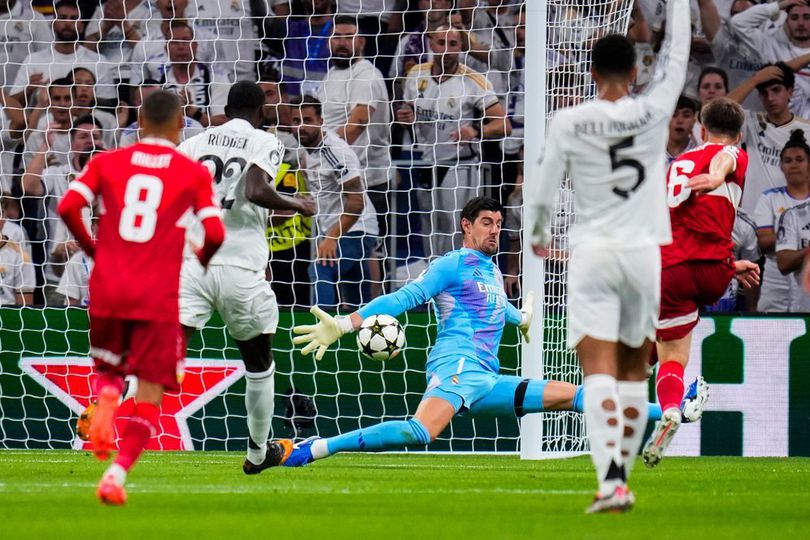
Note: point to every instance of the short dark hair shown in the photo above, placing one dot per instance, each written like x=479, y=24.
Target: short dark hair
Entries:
x=613, y=55
x=150, y=82
x=161, y=107
x=307, y=101
x=346, y=19
x=244, y=99
x=712, y=70
x=797, y=140
x=63, y=82
x=66, y=3
x=685, y=102
x=722, y=116
x=788, y=78
x=477, y=205
x=180, y=23
x=83, y=119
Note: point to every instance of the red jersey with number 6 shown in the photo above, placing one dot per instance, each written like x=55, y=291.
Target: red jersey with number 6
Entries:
x=145, y=192
x=702, y=222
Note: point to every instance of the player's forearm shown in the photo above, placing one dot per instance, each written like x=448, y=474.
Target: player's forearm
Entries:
x=260, y=191
x=393, y=304
x=513, y=314
x=670, y=71
x=32, y=177
x=766, y=240
x=742, y=91
x=709, y=18
x=790, y=260
x=70, y=210
x=799, y=62
x=496, y=128
x=356, y=123
x=351, y=132
x=214, y=237
x=344, y=224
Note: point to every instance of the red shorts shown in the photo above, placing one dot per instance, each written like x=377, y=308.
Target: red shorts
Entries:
x=684, y=288
x=151, y=350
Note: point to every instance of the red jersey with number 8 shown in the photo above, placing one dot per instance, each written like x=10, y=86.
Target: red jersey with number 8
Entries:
x=145, y=192
x=702, y=222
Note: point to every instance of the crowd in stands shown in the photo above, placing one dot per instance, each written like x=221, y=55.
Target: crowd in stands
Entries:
x=428, y=94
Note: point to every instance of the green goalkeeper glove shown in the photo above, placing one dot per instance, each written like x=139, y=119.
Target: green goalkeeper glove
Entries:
x=321, y=335
x=527, y=312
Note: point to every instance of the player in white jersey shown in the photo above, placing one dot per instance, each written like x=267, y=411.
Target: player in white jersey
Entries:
x=244, y=162
x=612, y=148
x=792, y=243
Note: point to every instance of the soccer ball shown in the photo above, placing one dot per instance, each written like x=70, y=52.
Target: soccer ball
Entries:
x=380, y=337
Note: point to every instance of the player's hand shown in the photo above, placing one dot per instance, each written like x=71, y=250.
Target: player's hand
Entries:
x=306, y=206
x=327, y=251
x=464, y=133
x=747, y=273
x=321, y=335
x=768, y=73
x=702, y=183
x=528, y=312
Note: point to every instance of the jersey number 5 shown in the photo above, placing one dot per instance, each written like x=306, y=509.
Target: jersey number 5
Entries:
x=615, y=163
x=139, y=215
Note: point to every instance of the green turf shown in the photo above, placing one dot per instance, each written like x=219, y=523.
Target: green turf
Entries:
x=50, y=495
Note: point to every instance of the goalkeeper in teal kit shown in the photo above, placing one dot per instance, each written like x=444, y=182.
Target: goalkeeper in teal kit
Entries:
x=462, y=367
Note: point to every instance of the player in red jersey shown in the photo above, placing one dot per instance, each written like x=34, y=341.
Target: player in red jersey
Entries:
x=146, y=190
x=704, y=188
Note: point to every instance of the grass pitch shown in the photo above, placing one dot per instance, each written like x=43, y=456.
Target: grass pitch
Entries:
x=51, y=495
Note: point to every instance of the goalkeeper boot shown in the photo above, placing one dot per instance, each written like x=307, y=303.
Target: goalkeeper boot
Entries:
x=694, y=401
x=102, y=426
x=661, y=436
x=110, y=492
x=277, y=452
x=618, y=502
x=301, y=454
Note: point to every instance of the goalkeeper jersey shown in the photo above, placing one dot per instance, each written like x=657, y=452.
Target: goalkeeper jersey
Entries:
x=470, y=305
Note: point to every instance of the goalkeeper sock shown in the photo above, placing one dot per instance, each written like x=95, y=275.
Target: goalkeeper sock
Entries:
x=141, y=427
x=669, y=385
x=259, y=395
x=653, y=409
x=604, y=423
x=389, y=435
x=633, y=403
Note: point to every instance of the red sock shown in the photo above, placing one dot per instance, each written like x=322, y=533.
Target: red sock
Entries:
x=669, y=385
x=109, y=379
x=141, y=427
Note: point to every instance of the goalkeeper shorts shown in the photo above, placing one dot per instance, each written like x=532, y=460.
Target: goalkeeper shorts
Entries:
x=461, y=381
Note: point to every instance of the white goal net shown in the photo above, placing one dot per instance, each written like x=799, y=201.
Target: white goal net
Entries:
x=431, y=99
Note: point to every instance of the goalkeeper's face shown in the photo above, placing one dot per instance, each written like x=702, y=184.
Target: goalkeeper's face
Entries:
x=484, y=232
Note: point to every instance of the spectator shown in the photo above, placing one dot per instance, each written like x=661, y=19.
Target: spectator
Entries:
x=345, y=223
x=49, y=124
x=777, y=290
x=680, y=128
x=49, y=183
x=513, y=144
x=736, y=59
x=203, y=88
x=766, y=133
x=114, y=29
x=12, y=128
x=414, y=47
x=14, y=289
x=754, y=29
x=372, y=18
x=355, y=106
x=24, y=31
x=65, y=53
x=792, y=245
x=229, y=24
x=289, y=232
x=129, y=135
x=302, y=44
x=492, y=43
x=74, y=282
x=445, y=101
x=83, y=103
x=712, y=84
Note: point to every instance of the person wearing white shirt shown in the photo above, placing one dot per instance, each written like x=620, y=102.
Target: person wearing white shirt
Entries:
x=792, y=246
x=354, y=103
x=24, y=30
x=64, y=54
x=229, y=23
x=12, y=128
x=612, y=149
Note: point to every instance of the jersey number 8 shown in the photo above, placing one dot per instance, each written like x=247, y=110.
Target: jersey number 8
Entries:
x=139, y=215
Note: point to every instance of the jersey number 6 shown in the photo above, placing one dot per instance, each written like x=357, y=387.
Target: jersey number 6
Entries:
x=615, y=163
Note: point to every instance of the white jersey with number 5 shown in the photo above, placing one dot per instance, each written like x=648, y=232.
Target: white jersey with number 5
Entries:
x=229, y=151
x=613, y=151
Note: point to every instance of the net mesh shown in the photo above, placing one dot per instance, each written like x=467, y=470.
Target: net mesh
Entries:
x=95, y=66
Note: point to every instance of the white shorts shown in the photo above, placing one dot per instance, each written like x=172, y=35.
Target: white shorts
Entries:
x=243, y=298
x=613, y=295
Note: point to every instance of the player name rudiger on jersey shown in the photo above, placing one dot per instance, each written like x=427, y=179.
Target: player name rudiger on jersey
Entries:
x=220, y=139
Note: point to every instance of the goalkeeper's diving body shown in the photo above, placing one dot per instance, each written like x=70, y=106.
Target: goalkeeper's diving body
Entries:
x=462, y=367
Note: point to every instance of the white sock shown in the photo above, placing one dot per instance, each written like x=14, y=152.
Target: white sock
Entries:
x=603, y=420
x=117, y=472
x=319, y=449
x=259, y=397
x=633, y=400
